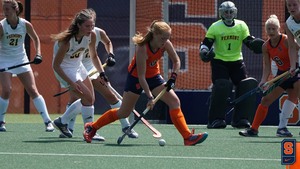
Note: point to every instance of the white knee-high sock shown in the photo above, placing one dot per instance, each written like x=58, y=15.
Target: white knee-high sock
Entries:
x=87, y=113
x=41, y=107
x=71, y=112
x=73, y=120
x=287, y=110
x=124, y=122
x=3, y=108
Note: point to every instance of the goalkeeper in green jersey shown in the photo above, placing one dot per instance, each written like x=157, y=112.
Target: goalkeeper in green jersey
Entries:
x=222, y=46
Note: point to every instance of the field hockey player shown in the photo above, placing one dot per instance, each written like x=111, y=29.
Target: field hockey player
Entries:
x=144, y=74
x=69, y=70
x=102, y=89
x=276, y=49
x=13, y=30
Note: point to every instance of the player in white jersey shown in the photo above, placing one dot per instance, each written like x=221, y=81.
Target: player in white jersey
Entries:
x=13, y=30
x=293, y=31
x=70, y=71
x=108, y=95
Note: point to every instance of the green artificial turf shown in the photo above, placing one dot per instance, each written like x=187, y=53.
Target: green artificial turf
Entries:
x=27, y=145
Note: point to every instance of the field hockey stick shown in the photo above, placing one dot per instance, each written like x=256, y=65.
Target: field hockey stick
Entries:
x=16, y=66
x=244, y=96
x=260, y=89
x=90, y=75
x=279, y=81
x=156, y=133
x=120, y=139
x=36, y=60
x=241, y=98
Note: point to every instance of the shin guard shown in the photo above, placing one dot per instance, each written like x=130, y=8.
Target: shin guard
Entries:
x=218, y=102
x=245, y=110
x=179, y=122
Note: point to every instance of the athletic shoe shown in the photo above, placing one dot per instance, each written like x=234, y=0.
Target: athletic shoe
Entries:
x=217, y=124
x=49, y=126
x=243, y=123
x=89, y=132
x=283, y=132
x=97, y=137
x=63, y=136
x=195, y=139
x=131, y=133
x=2, y=126
x=63, y=128
x=249, y=132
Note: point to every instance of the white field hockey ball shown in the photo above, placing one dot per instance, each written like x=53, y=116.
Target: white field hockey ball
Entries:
x=161, y=142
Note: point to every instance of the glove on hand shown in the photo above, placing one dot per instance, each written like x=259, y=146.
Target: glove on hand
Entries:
x=171, y=82
x=38, y=59
x=111, y=60
x=206, y=55
x=103, y=76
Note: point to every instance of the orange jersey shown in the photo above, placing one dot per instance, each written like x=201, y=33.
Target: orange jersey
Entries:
x=152, y=65
x=279, y=54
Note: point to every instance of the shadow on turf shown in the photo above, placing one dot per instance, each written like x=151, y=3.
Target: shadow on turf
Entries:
x=54, y=140
x=127, y=145
x=259, y=139
x=121, y=145
x=267, y=142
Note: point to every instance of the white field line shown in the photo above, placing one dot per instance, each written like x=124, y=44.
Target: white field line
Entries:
x=140, y=156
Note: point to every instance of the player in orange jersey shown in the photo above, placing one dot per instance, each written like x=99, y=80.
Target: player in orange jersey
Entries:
x=276, y=48
x=144, y=74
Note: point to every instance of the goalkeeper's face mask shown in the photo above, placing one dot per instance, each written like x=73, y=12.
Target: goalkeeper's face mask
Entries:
x=228, y=17
x=227, y=12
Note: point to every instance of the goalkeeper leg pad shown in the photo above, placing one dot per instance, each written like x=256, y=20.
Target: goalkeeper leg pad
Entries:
x=218, y=102
x=244, y=111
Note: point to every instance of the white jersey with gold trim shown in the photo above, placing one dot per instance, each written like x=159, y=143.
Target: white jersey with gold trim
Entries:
x=71, y=64
x=74, y=55
x=12, y=42
x=86, y=60
x=294, y=28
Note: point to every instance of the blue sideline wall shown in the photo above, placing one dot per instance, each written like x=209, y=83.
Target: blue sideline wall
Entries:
x=195, y=108
x=194, y=105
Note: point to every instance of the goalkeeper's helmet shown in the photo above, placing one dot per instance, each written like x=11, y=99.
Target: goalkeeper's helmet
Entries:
x=227, y=12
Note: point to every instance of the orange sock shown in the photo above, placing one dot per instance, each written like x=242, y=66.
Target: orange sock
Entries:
x=260, y=115
x=180, y=123
x=107, y=118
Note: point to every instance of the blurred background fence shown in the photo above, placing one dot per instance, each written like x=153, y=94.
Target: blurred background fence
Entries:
x=189, y=20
